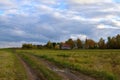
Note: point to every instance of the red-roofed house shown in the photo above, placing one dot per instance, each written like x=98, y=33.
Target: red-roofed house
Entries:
x=65, y=46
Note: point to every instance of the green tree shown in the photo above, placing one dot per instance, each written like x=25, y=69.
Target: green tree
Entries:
x=27, y=46
x=49, y=45
x=113, y=43
x=118, y=41
x=101, y=43
x=79, y=43
x=54, y=44
x=109, y=43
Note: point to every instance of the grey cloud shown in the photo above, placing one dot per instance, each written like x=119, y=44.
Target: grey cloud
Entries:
x=39, y=22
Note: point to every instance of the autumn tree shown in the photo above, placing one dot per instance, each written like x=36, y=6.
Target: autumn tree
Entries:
x=90, y=44
x=70, y=42
x=57, y=46
x=111, y=43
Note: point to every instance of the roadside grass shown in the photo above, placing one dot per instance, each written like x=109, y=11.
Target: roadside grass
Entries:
x=43, y=72
x=10, y=67
x=101, y=64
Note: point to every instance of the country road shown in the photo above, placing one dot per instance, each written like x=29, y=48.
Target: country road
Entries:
x=64, y=73
x=31, y=74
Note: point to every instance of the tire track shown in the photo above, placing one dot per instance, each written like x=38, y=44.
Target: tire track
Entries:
x=30, y=72
x=66, y=74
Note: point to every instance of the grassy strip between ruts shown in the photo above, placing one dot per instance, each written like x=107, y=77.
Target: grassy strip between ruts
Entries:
x=35, y=64
x=10, y=67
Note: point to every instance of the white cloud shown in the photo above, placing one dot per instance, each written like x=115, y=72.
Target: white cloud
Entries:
x=58, y=15
x=78, y=18
x=5, y=44
x=102, y=26
x=10, y=44
x=11, y=11
x=18, y=32
x=6, y=4
x=117, y=23
x=89, y=1
x=109, y=17
x=80, y=36
x=48, y=2
x=44, y=7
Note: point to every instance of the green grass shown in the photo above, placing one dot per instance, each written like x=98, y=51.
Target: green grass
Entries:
x=101, y=64
x=10, y=67
x=40, y=68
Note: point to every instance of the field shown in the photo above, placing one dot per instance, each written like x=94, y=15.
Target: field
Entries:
x=10, y=67
x=17, y=64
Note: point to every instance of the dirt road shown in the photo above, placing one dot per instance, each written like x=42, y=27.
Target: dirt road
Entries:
x=31, y=74
x=66, y=74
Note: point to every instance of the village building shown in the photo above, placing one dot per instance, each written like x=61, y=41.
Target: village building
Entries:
x=65, y=47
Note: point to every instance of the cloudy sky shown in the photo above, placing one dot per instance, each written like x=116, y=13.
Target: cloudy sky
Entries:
x=38, y=21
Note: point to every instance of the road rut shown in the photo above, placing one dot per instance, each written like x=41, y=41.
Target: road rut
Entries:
x=65, y=73
x=29, y=71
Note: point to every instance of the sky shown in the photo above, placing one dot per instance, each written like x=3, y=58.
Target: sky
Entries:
x=38, y=21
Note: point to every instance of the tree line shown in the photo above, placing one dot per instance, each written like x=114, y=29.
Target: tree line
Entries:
x=111, y=43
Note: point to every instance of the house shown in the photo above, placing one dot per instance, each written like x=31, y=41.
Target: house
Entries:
x=65, y=47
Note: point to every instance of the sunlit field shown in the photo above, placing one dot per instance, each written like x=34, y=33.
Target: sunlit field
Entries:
x=94, y=64
x=100, y=64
